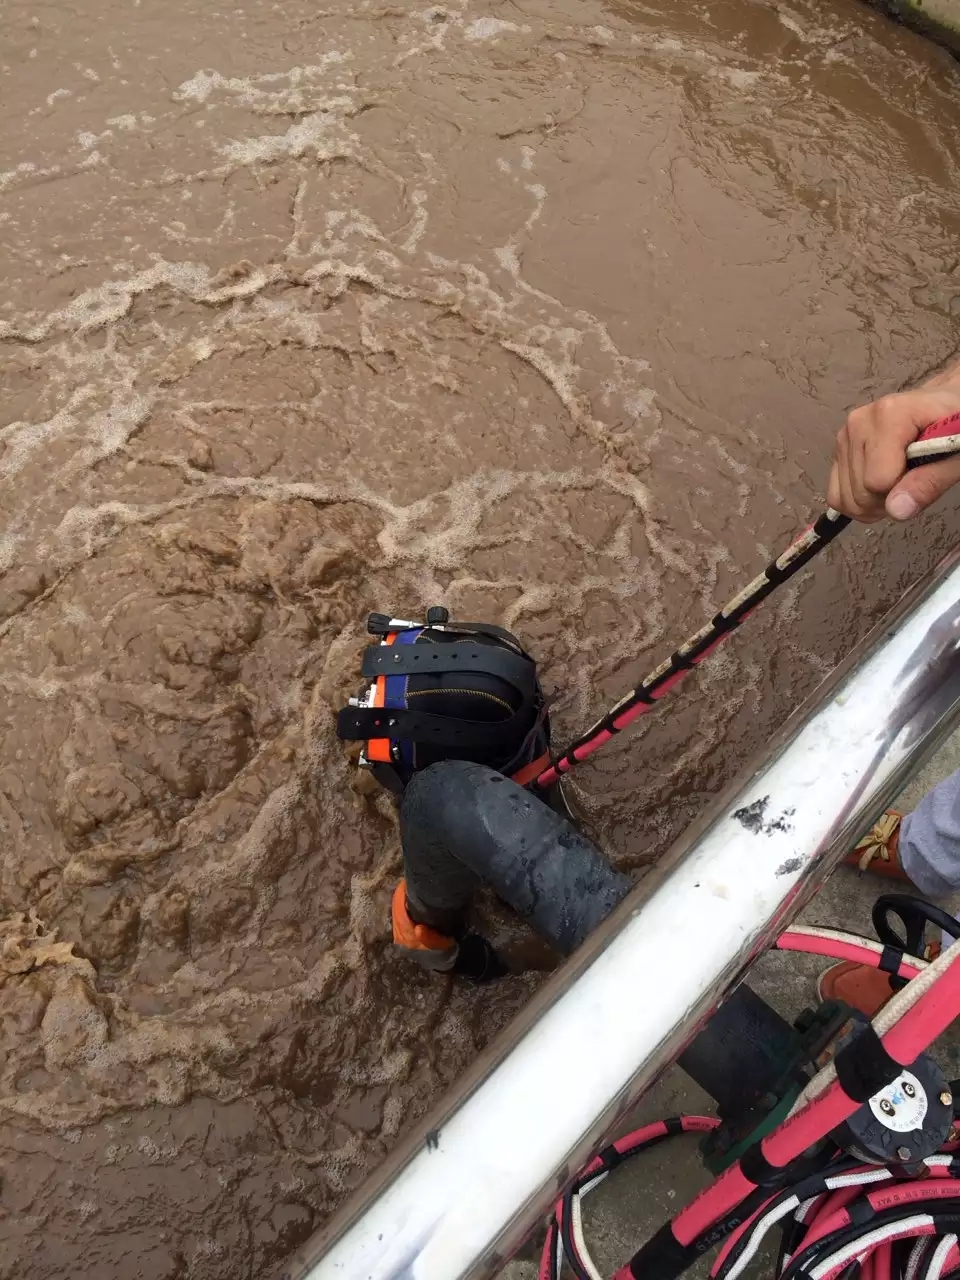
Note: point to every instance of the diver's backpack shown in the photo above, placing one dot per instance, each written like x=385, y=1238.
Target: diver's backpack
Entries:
x=446, y=691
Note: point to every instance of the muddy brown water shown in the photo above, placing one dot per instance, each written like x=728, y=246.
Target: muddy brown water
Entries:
x=545, y=311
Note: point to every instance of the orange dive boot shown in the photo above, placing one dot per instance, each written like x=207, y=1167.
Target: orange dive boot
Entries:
x=433, y=950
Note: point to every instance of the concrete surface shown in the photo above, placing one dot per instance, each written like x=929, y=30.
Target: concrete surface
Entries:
x=938, y=19
x=629, y=1207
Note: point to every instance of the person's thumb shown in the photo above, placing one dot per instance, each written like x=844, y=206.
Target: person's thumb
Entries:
x=921, y=487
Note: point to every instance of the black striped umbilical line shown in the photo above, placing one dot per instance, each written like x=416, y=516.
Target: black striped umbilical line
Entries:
x=938, y=441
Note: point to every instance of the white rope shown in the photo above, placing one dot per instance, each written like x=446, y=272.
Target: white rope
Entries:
x=762, y=1226
x=755, y=1240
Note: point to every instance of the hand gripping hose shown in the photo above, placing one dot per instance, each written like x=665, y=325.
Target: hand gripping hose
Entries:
x=834, y=1213
x=936, y=442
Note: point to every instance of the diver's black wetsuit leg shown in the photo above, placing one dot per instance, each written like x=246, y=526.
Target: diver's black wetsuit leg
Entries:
x=462, y=824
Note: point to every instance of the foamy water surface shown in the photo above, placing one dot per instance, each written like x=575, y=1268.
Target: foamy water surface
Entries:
x=546, y=312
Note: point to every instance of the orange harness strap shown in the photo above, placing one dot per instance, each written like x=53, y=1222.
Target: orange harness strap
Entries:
x=531, y=770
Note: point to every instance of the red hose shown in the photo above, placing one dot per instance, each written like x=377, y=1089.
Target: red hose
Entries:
x=858, y=952
x=832, y=944
x=934, y=1008
x=917, y=1027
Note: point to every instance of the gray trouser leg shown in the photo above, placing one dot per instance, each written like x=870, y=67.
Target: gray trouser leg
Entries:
x=930, y=840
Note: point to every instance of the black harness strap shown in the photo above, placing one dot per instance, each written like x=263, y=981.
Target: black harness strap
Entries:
x=357, y=724
x=447, y=659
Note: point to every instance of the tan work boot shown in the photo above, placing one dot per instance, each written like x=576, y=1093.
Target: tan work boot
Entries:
x=879, y=850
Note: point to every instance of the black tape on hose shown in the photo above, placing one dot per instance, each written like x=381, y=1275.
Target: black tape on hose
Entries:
x=663, y=1257
x=860, y=1212
x=755, y=1166
x=890, y=960
x=864, y=1067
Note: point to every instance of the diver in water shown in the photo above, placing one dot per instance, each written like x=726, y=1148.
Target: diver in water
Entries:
x=869, y=482
x=455, y=723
